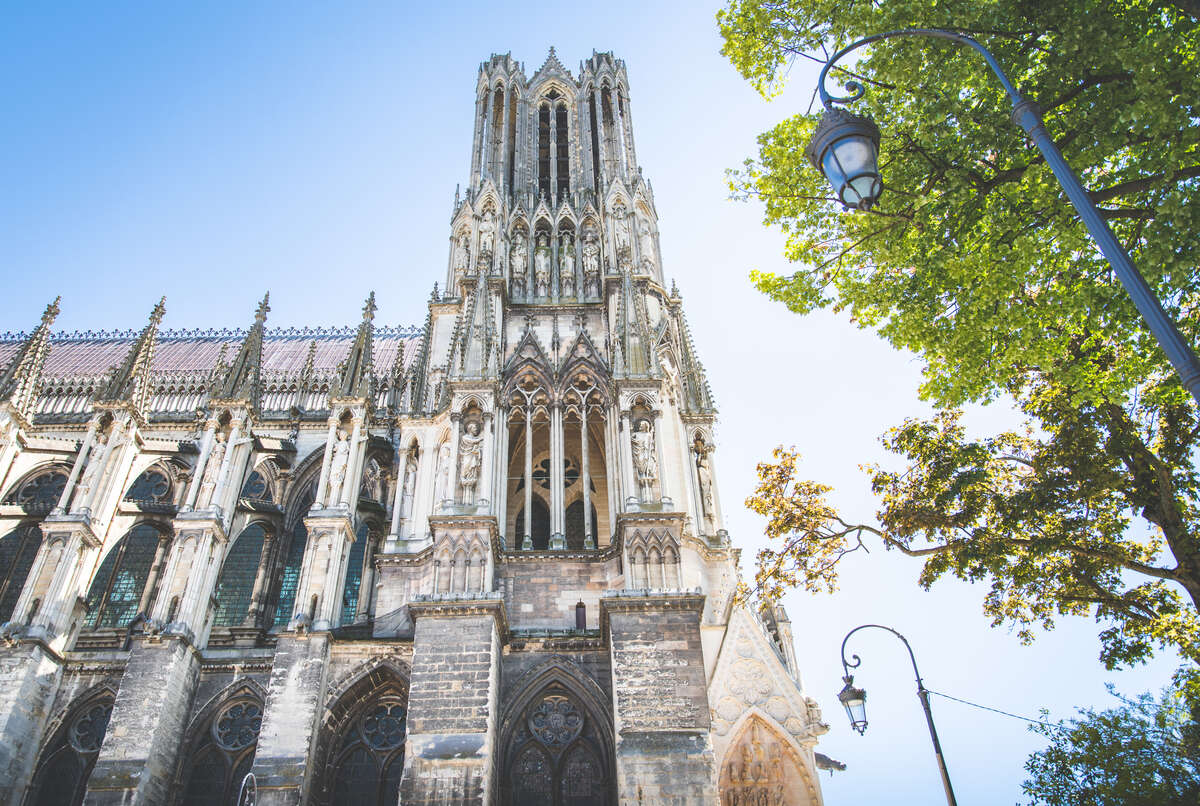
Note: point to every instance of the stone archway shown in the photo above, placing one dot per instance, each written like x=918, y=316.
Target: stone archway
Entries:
x=763, y=767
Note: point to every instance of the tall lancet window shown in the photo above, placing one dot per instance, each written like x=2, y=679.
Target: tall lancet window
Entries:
x=543, y=150
x=483, y=135
x=496, y=148
x=562, y=143
x=621, y=129
x=595, y=127
x=512, y=138
x=606, y=116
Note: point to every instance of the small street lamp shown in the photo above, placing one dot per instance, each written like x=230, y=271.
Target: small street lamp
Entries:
x=855, y=702
x=845, y=147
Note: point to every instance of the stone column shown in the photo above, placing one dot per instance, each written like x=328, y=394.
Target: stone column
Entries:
x=231, y=447
x=663, y=488
x=84, y=450
x=661, y=714
x=526, y=539
x=455, y=437
x=156, y=567
x=624, y=435
x=483, y=488
x=62, y=557
x=589, y=540
x=140, y=752
x=206, y=443
x=557, y=519
x=323, y=482
x=366, y=588
x=452, y=703
x=398, y=498
x=349, y=491
x=259, y=595
x=291, y=715
x=105, y=457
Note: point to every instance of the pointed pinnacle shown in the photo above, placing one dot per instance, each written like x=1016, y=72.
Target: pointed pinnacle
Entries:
x=369, y=308
x=260, y=315
x=156, y=315
x=52, y=311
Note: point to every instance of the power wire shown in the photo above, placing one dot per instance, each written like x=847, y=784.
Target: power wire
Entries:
x=1041, y=722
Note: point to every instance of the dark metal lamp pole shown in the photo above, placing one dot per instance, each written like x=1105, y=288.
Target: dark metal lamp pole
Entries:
x=854, y=699
x=845, y=148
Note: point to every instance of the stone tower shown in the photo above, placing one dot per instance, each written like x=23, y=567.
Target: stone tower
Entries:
x=478, y=562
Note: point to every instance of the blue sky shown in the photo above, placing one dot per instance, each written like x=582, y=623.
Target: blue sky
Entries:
x=211, y=152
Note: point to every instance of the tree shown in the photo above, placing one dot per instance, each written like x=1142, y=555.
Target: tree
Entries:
x=974, y=261
x=1144, y=752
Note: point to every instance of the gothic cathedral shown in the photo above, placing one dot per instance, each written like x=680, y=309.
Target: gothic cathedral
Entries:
x=481, y=561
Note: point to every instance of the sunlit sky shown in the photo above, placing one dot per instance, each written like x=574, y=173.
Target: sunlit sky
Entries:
x=217, y=151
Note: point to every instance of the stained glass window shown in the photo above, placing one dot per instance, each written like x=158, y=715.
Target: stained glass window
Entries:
x=235, y=586
x=222, y=754
x=256, y=487
x=554, y=756
x=42, y=491
x=153, y=487
x=371, y=756
x=18, y=549
x=289, y=574
x=354, y=572
x=117, y=588
x=61, y=777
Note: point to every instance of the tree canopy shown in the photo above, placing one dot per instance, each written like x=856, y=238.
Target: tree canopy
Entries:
x=1143, y=753
x=974, y=260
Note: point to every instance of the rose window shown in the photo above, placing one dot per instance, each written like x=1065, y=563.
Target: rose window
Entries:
x=383, y=727
x=555, y=721
x=87, y=732
x=238, y=725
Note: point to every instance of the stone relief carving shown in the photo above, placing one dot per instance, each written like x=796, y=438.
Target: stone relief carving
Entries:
x=645, y=462
x=541, y=267
x=91, y=473
x=621, y=231
x=410, y=486
x=704, y=479
x=518, y=263
x=470, y=459
x=337, y=467
x=212, y=470
x=442, y=486
x=591, y=261
x=487, y=235
x=645, y=242
x=462, y=257
x=566, y=269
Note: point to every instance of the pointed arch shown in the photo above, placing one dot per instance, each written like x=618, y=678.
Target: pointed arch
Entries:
x=220, y=745
x=765, y=758
x=66, y=760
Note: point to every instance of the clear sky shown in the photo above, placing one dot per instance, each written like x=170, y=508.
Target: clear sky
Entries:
x=213, y=151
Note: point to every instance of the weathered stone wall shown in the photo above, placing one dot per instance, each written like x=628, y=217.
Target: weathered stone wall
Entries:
x=664, y=755
x=452, y=704
x=540, y=592
x=29, y=680
x=398, y=583
x=137, y=760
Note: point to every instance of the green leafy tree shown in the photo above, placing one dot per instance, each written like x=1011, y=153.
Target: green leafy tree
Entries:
x=1144, y=753
x=974, y=260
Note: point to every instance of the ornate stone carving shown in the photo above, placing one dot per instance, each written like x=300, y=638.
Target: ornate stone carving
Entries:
x=566, y=269
x=238, y=725
x=541, y=267
x=462, y=257
x=442, y=487
x=591, y=261
x=91, y=473
x=487, y=235
x=704, y=479
x=337, y=467
x=212, y=471
x=555, y=722
x=645, y=462
x=621, y=230
x=518, y=265
x=646, y=242
x=383, y=727
x=470, y=459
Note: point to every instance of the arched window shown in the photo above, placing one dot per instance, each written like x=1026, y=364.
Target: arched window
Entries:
x=117, y=588
x=17, y=551
x=543, y=147
x=235, y=585
x=512, y=136
x=539, y=526
x=354, y=574
x=575, y=532
x=495, y=148
x=39, y=493
x=223, y=754
x=368, y=759
x=562, y=145
x=555, y=755
x=152, y=487
x=289, y=574
x=62, y=773
x=257, y=488
x=595, y=126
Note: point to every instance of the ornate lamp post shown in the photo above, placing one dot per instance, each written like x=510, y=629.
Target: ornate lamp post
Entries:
x=845, y=148
x=855, y=702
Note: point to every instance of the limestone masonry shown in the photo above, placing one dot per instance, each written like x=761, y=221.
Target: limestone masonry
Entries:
x=481, y=561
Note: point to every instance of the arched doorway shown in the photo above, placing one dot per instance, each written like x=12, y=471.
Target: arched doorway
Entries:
x=557, y=749
x=764, y=766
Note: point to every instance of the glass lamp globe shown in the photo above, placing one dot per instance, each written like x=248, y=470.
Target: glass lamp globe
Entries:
x=845, y=147
x=855, y=702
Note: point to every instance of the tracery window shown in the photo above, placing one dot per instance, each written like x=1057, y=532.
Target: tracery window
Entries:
x=257, y=488
x=117, y=588
x=555, y=756
x=371, y=760
x=235, y=585
x=152, y=487
x=18, y=549
x=39, y=493
x=563, y=172
x=289, y=574
x=223, y=754
x=62, y=774
x=543, y=150
x=354, y=574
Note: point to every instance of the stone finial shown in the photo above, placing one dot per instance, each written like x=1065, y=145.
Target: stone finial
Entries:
x=264, y=307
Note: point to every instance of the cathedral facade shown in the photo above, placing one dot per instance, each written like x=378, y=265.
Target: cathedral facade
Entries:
x=479, y=561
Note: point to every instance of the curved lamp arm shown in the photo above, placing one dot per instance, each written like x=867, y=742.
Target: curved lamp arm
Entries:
x=856, y=661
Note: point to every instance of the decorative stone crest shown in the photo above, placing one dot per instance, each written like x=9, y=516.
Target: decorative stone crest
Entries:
x=555, y=722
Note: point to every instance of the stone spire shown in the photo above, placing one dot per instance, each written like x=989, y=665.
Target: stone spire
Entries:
x=355, y=380
x=20, y=383
x=243, y=380
x=130, y=382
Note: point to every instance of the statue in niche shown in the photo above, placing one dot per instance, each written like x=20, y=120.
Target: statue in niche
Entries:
x=212, y=471
x=470, y=459
x=566, y=268
x=91, y=473
x=442, y=488
x=704, y=478
x=410, y=486
x=645, y=242
x=518, y=264
x=644, y=460
x=462, y=257
x=591, y=261
x=372, y=481
x=621, y=231
x=541, y=267
x=487, y=234
x=338, y=467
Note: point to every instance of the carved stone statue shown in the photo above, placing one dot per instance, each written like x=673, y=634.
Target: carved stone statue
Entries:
x=621, y=230
x=212, y=471
x=518, y=265
x=704, y=478
x=442, y=488
x=487, y=233
x=410, y=486
x=541, y=267
x=566, y=268
x=462, y=257
x=91, y=473
x=644, y=460
x=372, y=486
x=337, y=468
x=645, y=242
x=591, y=261
x=470, y=459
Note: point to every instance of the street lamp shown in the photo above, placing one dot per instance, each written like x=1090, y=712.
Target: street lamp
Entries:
x=855, y=701
x=845, y=148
